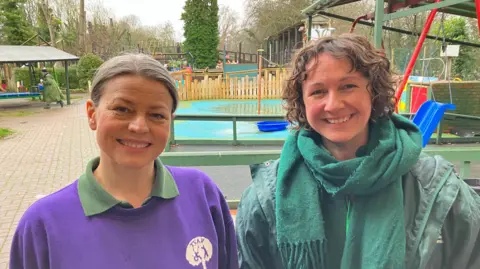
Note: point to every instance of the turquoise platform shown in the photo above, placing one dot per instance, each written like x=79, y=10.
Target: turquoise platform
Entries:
x=224, y=130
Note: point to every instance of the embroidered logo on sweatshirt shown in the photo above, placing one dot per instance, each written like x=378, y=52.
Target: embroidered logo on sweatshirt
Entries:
x=199, y=251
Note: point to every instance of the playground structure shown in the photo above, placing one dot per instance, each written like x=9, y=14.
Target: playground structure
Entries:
x=29, y=56
x=397, y=9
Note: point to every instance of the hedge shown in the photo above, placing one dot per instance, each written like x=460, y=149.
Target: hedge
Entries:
x=86, y=68
x=22, y=74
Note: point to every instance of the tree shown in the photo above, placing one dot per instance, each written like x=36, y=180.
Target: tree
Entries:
x=46, y=18
x=14, y=27
x=201, y=31
x=68, y=13
x=81, y=27
x=265, y=18
x=456, y=28
x=41, y=23
x=228, y=26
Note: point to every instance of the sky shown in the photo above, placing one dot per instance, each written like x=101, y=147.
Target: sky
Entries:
x=154, y=12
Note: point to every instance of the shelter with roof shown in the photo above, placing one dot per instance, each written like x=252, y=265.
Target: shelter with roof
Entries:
x=29, y=55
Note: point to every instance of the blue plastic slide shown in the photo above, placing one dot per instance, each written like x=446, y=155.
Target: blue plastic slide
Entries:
x=429, y=116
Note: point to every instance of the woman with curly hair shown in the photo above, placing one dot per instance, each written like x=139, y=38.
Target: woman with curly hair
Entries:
x=352, y=188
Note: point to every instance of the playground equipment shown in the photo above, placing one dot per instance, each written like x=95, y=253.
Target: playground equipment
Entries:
x=16, y=95
x=23, y=92
x=429, y=116
x=430, y=113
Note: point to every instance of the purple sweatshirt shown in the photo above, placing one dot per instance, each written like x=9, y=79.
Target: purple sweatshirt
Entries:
x=192, y=230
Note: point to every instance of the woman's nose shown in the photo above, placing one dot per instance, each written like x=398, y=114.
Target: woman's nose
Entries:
x=138, y=125
x=334, y=101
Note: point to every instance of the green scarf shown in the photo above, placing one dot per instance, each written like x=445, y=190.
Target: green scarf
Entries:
x=375, y=236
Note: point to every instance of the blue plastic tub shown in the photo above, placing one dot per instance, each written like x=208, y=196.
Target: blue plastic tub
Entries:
x=272, y=126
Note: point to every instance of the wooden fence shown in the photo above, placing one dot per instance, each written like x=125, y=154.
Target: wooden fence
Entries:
x=235, y=85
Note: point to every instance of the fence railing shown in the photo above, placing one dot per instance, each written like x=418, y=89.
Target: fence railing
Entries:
x=466, y=156
x=234, y=140
x=438, y=139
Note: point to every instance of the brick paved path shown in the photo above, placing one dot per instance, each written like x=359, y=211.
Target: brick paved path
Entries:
x=51, y=149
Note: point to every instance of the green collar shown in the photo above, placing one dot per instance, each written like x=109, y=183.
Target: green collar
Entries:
x=96, y=200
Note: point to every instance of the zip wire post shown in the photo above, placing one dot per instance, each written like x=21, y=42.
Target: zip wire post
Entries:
x=417, y=50
x=259, y=80
x=224, y=55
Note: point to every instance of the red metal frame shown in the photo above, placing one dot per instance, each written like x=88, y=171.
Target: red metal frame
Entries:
x=477, y=7
x=413, y=59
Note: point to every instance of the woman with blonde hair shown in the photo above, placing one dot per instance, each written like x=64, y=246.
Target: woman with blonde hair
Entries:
x=128, y=210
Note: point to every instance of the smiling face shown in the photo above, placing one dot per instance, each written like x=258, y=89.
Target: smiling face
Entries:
x=132, y=120
x=337, y=101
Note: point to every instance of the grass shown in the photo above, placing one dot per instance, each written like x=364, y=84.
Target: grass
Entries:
x=19, y=113
x=4, y=132
x=445, y=135
x=75, y=97
x=72, y=97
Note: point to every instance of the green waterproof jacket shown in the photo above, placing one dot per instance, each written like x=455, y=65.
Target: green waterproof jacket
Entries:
x=51, y=92
x=442, y=218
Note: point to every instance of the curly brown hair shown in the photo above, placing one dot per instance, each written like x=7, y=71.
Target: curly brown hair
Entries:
x=363, y=57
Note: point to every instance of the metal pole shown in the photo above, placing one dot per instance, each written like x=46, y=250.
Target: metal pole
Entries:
x=377, y=30
x=396, y=30
x=259, y=80
x=423, y=62
x=67, y=83
x=30, y=71
x=224, y=55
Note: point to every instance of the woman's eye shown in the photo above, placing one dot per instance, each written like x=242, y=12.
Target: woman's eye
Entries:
x=122, y=109
x=316, y=92
x=350, y=86
x=158, y=116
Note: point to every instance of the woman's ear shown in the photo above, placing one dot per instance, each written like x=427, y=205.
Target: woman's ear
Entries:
x=91, y=114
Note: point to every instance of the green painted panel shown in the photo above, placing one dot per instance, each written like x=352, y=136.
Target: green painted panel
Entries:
x=242, y=67
x=453, y=154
